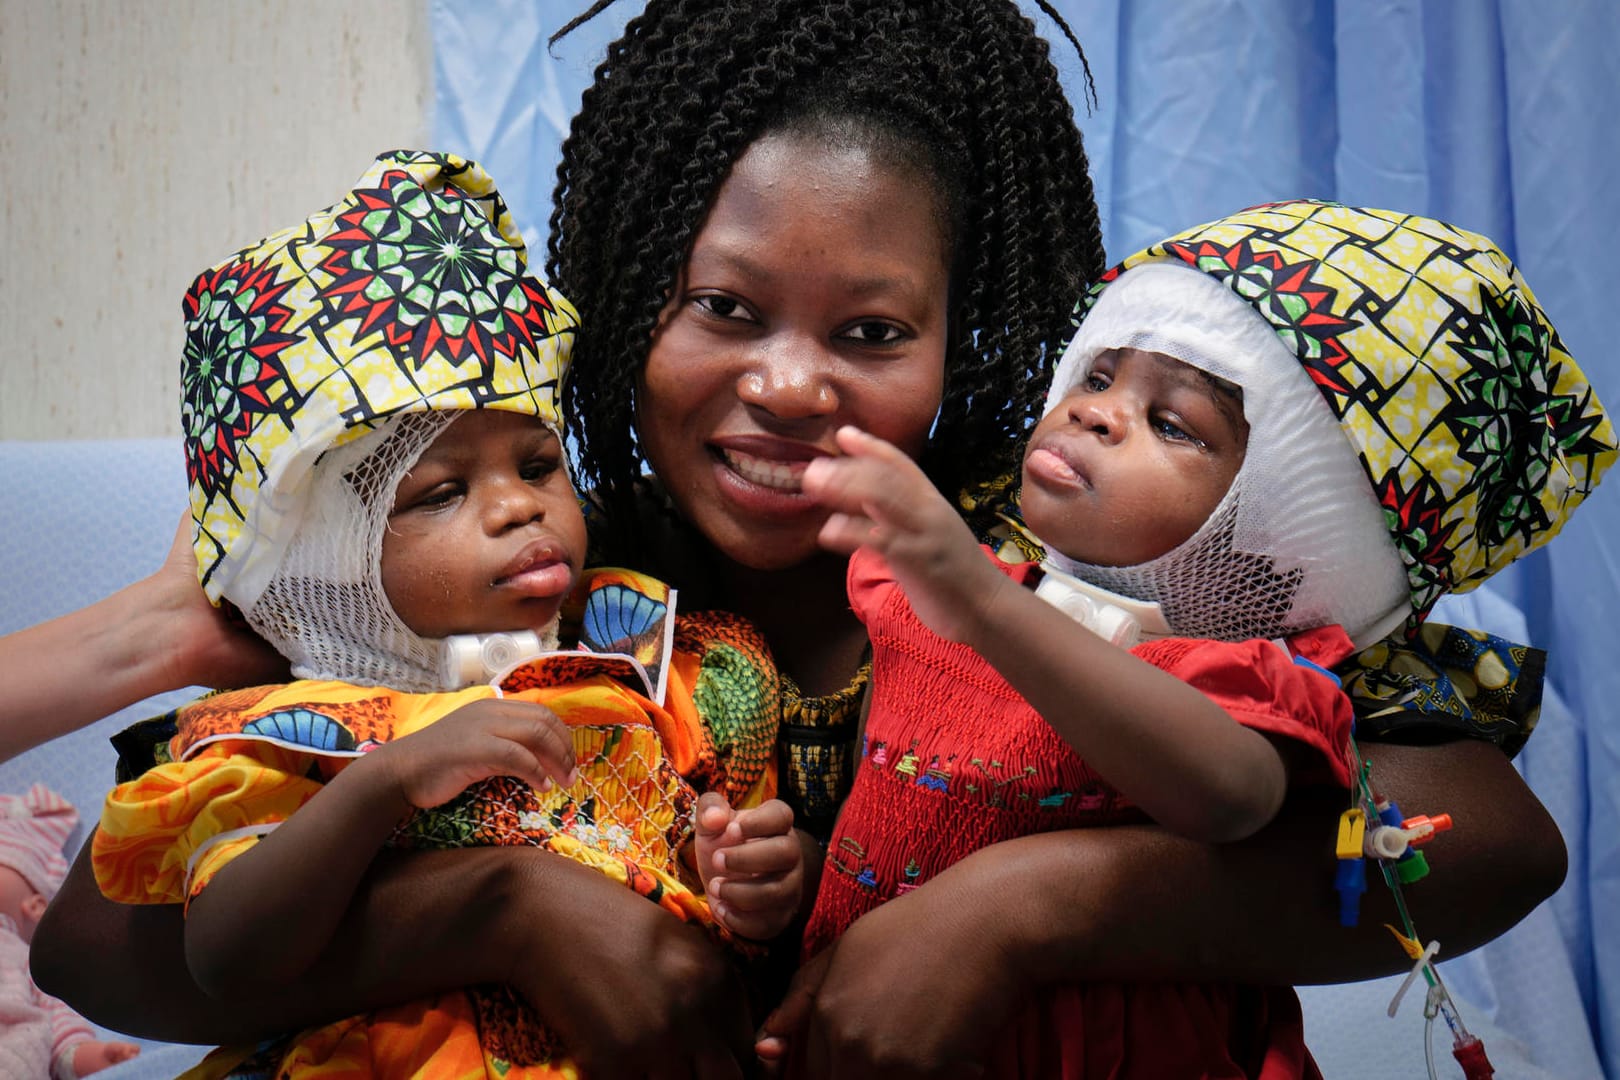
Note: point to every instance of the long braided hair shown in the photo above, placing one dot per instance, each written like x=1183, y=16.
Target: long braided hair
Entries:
x=963, y=91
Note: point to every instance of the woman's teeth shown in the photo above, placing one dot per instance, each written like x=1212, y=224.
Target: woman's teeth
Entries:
x=780, y=476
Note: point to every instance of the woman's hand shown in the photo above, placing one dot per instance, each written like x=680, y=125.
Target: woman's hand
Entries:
x=910, y=984
x=156, y=635
x=632, y=990
x=918, y=987
x=203, y=645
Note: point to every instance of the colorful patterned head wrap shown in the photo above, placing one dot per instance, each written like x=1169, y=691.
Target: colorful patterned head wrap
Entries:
x=411, y=294
x=1477, y=430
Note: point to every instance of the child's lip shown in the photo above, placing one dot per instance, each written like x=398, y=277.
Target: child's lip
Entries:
x=1052, y=459
x=536, y=556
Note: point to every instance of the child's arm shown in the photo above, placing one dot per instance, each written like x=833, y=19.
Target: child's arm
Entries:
x=266, y=915
x=1167, y=746
x=752, y=864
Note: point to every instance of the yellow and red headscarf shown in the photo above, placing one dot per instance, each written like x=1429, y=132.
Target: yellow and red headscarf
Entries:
x=1477, y=430
x=411, y=294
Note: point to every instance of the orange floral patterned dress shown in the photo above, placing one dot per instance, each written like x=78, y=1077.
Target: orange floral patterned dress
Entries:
x=241, y=762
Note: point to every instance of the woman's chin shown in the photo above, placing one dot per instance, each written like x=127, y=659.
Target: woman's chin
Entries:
x=763, y=553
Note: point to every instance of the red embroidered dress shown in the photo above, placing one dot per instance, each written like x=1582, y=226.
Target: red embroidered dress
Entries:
x=953, y=760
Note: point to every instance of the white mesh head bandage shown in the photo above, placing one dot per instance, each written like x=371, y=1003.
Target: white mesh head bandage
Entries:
x=324, y=607
x=1299, y=540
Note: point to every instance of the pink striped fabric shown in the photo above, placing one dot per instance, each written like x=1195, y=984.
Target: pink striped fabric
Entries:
x=33, y=828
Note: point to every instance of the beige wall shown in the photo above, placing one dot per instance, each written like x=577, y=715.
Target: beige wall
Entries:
x=143, y=140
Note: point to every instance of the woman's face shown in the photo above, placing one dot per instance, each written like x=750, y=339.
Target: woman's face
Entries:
x=815, y=296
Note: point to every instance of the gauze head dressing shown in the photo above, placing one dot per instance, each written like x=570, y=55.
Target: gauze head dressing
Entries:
x=324, y=607
x=1299, y=539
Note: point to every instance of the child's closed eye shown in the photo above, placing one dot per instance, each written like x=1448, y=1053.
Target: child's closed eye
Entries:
x=436, y=497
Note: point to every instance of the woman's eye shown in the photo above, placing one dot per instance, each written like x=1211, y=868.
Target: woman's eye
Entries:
x=874, y=333
x=723, y=307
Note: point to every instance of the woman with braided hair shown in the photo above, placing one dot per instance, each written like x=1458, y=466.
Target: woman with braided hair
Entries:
x=777, y=219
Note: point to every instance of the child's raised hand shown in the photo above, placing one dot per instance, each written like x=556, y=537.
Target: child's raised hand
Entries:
x=751, y=864
x=882, y=500
x=484, y=738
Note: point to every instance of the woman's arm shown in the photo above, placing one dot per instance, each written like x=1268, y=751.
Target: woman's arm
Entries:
x=642, y=986
x=156, y=635
x=1138, y=902
x=1265, y=909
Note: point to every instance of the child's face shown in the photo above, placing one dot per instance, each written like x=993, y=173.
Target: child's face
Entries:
x=21, y=901
x=485, y=533
x=1134, y=459
x=815, y=295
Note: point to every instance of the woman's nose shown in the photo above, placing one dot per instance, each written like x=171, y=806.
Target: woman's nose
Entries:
x=791, y=382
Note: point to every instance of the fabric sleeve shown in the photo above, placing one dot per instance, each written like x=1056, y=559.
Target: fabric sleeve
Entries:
x=1262, y=686
x=163, y=835
x=1444, y=683
x=68, y=1030
x=871, y=583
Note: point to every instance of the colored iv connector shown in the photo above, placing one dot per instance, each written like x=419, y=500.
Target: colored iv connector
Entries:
x=1351, y=878
x=1390, y=839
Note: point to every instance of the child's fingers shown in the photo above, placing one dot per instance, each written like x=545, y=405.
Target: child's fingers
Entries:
x=770, y=818
x=499, y=737
x=769, y=855
x=879, y=489
x=843, y=532
x=712, y=816
x=761, y=897
x=537, y=729
x=754, y=926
